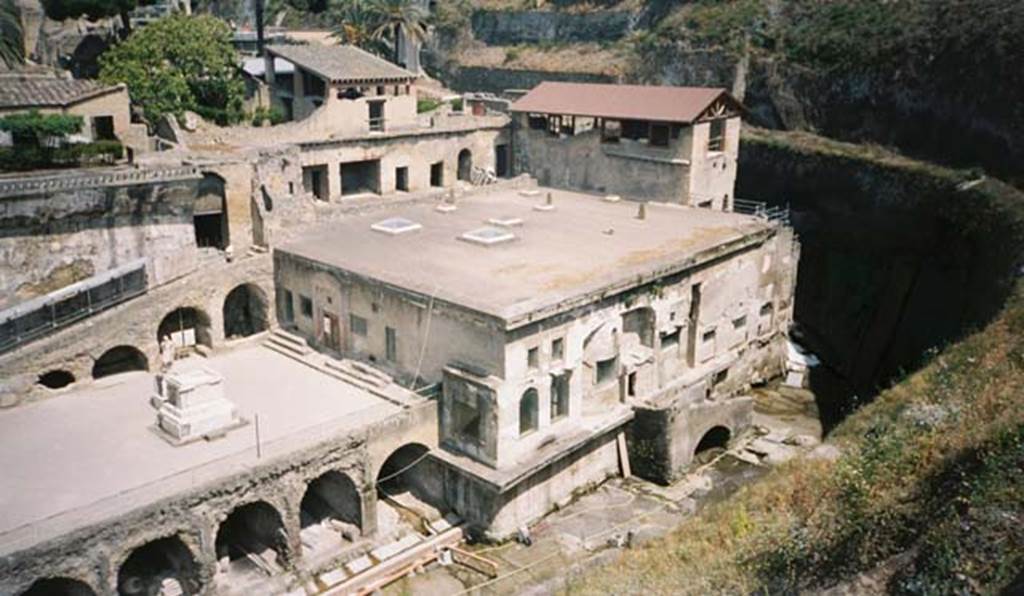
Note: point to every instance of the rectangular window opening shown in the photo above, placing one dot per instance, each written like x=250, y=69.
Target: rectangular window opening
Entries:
x=390, y=345
x=357, y=325
x=533, y=358
x=716, y=138
x=607, y=370
x=558, y=348
x=559, y=396
x=306, y=305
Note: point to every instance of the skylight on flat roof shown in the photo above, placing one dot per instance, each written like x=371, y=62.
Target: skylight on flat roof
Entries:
x=488, y=236
x=396, y=226
x=506, y=221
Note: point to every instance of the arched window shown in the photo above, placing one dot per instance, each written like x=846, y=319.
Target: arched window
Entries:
x=528, y=412
x=465, y=168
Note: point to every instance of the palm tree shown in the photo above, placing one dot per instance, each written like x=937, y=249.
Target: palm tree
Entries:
x=396, y=17
x=357, y=24
x=12, y=41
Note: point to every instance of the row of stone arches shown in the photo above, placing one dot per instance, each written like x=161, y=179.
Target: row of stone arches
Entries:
x=245, y=313
x=169, y=565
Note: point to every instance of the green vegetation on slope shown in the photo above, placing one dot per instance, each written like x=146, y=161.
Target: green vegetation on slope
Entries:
x=932, y=469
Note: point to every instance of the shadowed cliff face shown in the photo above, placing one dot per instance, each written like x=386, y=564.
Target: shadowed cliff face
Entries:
x=897, y=257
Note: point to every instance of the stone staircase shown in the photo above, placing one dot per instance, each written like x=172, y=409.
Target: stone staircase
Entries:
x=352, y=372
x=289, y=344
x=359, y=374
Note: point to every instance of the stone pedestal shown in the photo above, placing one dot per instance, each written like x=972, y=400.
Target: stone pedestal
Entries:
x=193, y=406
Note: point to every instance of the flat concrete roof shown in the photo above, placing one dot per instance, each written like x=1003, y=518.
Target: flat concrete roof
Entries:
x=557, y=261
x=86, y=455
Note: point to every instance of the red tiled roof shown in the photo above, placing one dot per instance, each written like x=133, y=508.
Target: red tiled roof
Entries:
x=626, y=102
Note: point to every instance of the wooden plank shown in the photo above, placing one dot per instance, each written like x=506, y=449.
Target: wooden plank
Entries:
x=623, y=456
x=390, y=568
x=474, y=562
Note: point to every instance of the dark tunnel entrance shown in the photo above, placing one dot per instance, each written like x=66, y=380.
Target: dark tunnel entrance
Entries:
x=164, y=566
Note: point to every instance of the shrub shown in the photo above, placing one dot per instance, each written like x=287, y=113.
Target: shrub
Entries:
x=32, y=128
x=426, y=104
x=29, y=157
x=275, y=115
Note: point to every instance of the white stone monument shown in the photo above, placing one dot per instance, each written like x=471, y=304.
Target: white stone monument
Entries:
x=193, y=406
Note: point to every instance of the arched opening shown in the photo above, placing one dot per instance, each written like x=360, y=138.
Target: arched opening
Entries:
x=465, y=165
x=410, y=488
x=59, y=586
x=118, y=360
x=56, y=379
x=528, y=412
x=251, y=540
x=712, y=444
x=164, y=566
x=209, y=213
x=330, y=513
x=245, y=311
x=187, y=327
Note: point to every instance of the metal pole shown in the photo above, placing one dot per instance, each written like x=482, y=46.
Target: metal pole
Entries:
x=259, y=449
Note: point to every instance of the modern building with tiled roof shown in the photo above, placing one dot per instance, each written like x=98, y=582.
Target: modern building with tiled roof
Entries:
x=676, y=144
x=105, y=109
x=364, y=91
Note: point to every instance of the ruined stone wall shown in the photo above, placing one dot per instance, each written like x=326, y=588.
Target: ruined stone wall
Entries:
x=429, y=334
x=134, y=323
x=745, y=306
x=415, y=152
x=52, y=238
x=497, y=515
x=583, y=162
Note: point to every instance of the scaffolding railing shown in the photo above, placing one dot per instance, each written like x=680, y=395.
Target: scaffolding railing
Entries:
x=774, y=213
x=38, y=317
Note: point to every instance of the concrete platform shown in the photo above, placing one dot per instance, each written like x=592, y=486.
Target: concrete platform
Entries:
x=74, y=459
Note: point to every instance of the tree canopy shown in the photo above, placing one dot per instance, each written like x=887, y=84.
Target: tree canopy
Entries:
x=179, y=63
x=374, y=25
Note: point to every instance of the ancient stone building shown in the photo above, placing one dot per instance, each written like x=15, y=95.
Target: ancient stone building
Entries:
x=676, y=144
x=545, y=324
x=105, y=109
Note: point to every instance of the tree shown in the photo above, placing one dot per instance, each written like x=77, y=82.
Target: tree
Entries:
x=12, y=41
x=357, y=24
x=179, y=63
x=374, y=25
x=396, y=17
x=93, y=10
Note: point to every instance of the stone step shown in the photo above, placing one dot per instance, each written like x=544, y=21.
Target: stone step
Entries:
x=360, y=374
x=283, y=337
x=286, y=348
